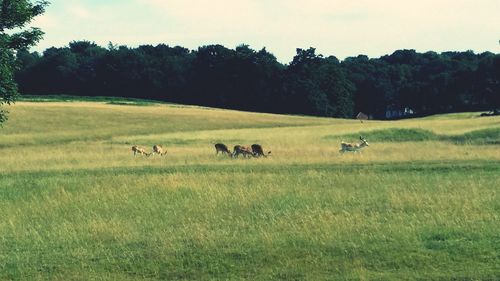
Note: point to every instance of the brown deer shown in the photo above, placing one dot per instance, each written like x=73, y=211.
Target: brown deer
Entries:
x=257, y=151
x=139, y=150
x=159, y=150
x=222, y=148
x=354, y=147
x=243, y=150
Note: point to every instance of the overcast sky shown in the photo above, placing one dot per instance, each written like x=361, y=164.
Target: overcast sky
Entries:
x=334, y=27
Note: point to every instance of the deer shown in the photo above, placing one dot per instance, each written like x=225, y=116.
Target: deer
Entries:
x=243, y=150
x=257, y=151
x=353, y=147
x=139, y=150
x=158, y=149
x=222, y=148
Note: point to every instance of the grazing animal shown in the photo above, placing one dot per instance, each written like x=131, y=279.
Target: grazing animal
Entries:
x=222, y=148
x=243, y=150
x=257, y=151
x=159, y=150
x=139, y=150
x=354, y=147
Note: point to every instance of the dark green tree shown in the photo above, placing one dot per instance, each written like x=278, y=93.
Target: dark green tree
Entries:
x=15, y=14
x=246, y=79
x=488, y=81
x=317, y=86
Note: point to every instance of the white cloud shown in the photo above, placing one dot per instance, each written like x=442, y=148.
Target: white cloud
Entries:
x=335, y=27
x=45, y=22
x=79, y=12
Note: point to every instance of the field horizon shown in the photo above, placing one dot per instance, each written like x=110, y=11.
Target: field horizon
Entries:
x=419, y=203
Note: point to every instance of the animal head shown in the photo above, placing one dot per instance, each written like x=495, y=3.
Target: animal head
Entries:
x=363, y=141
x=159, y=150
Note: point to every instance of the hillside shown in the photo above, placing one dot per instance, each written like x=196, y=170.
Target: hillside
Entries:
x=421, y=202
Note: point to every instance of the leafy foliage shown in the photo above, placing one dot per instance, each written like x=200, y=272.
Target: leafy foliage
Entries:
x=213, y=75
x=428, y=83
x=15, y=14
x=317, y=86
x=247, y=79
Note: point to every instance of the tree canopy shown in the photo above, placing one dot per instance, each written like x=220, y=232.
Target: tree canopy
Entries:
x=15, y=14
x=253, y=80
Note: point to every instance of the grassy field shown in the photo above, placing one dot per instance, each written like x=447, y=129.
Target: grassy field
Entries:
x=421, y=203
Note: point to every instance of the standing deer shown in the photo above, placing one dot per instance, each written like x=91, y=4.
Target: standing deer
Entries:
x=222, y=148
x=139, y=150
x=354, y=147
x=257, y=151
x=243, y=150
x=159, y=150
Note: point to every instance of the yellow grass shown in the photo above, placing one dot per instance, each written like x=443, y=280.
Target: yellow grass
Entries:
x=78, y=205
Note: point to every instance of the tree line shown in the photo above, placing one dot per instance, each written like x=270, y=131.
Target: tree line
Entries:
x=253, y=80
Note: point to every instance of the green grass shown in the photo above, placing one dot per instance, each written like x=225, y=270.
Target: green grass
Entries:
x=135, y=103
x=484, y=136
x=476, y=137
x=67, y=98
x=393, y=135
x=421, y=203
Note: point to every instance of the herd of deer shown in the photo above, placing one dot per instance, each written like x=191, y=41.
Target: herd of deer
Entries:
x=157, y=149
x=255, y=150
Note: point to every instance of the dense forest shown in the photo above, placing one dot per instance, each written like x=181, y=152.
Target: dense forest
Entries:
x=246, y=79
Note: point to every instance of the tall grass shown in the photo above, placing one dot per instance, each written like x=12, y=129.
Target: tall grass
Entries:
x=77, y=205
x=476, y=137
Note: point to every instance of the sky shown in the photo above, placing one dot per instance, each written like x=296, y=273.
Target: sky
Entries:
x=341, y=28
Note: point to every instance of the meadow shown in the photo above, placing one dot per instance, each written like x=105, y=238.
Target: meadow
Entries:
x=420, y=203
